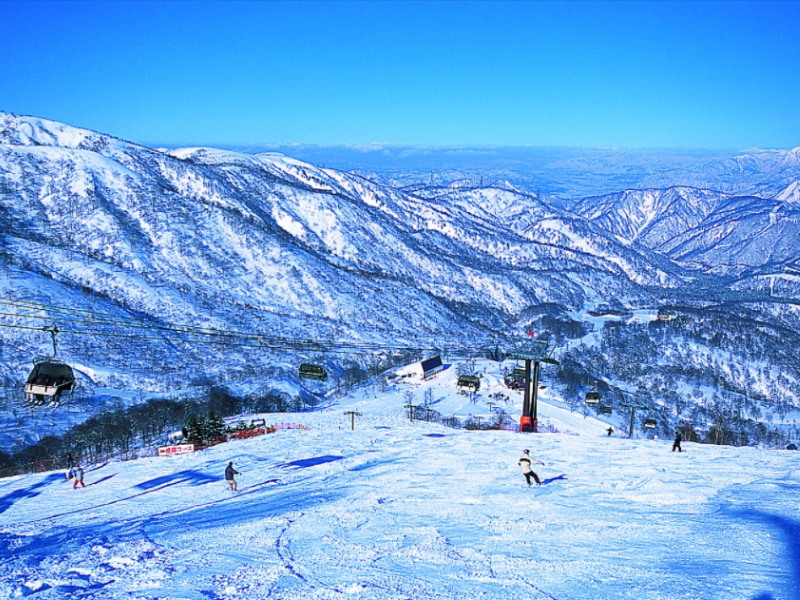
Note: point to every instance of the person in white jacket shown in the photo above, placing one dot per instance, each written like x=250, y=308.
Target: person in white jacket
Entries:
x=525, y=463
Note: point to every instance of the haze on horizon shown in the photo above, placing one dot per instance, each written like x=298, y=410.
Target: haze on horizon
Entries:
x=550, y=74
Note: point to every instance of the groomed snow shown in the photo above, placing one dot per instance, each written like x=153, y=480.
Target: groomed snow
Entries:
x=400, y=510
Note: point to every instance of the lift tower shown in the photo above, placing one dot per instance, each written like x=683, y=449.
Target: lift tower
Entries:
x=534, y=352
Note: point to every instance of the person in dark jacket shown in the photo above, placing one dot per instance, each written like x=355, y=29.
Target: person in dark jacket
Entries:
x=609, y=431
x=229, y=473
x=676, y=445
x=70, y=463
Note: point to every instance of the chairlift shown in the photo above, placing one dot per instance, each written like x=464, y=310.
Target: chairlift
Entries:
x=650, y=423
x=49, y=381
x=604, y=410
x=468, y=383
x=593, y=398
x=312, y=371
x=258, y=423
x=516, y=379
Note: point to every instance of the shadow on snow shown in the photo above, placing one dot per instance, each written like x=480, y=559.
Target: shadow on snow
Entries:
x=790, y=532
x=552, y=479
x=12, y=498
x=228, y=510
x=188, y=476
x=310, y=462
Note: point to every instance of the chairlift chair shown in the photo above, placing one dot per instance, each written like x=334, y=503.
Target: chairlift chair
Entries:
x=312, y=371
x=516, y=379
x=592, y=398
x=650, y=423
x=603, y=409
x=513, y=383
x=49, y=381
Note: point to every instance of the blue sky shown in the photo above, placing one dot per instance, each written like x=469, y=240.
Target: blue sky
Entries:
x=626, y=74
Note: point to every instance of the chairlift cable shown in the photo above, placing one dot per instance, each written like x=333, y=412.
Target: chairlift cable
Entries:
x=189, y=329
x=247, y=341
x=104, y=317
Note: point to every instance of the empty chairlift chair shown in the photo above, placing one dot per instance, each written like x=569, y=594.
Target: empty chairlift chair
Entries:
x=468, y=383
x=604, y=410
x=650, y=423
x=592, y=398
x=315, y=372
x=49, y=381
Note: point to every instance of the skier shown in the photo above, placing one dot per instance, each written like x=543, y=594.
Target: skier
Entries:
x=525, y=462
x=78, y=477
x=677, y=443
x=609, y=431
x=229, y=473
x=70, y=462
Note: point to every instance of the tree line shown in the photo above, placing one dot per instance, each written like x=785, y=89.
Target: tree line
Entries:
x=122, y=430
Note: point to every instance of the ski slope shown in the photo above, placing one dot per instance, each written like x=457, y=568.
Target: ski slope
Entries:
x=398, y=510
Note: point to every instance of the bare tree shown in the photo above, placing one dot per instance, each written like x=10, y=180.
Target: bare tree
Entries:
x=428, y=397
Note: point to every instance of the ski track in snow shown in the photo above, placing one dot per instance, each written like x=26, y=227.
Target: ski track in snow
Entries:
x=391, y=512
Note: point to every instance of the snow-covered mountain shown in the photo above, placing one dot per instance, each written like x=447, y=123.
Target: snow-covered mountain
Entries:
x=702, y=229
x=223, y=239
x=791, y=193
x=650, y=217
x=155, y=265
x=741, y=232
x=564, y=174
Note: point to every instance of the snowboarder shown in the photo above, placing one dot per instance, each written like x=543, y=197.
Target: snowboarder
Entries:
x=525, y=462
x=229, y=473
x=609, y=431
x=78, y=477
x=677, y=443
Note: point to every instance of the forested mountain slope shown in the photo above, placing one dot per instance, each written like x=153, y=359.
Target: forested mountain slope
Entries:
x=155, y=265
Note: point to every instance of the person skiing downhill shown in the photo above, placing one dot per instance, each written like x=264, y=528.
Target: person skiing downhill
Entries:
x=78, y=477
x=525, y=462
x=677, y=443
x=229, y=473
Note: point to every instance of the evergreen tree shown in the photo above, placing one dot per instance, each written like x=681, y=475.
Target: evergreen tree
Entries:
x=215, y=426
x=195, y=429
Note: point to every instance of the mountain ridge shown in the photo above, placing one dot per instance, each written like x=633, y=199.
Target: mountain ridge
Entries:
x=269, y=246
